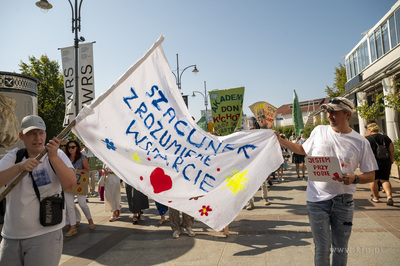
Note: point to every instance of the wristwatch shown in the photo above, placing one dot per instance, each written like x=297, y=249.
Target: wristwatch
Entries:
x=356, y=180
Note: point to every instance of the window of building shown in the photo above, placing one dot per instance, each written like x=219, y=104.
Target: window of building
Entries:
x=372, y=47
x=378, y=42
x=366, y=54
x=348, y=72
x=393, y=35
x=397, y=22
x=355, y=64
x=385, y=37
x=352, y=74
x=360, y=57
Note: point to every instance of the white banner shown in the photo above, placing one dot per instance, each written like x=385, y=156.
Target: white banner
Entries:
x=85, y=78
x=86, y=74
x=68, y=67
x=142, y=130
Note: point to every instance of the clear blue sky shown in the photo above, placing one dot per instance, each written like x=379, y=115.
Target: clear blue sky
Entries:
x=269, y=47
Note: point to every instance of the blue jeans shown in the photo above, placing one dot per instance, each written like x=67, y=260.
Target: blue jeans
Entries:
x=331, y=223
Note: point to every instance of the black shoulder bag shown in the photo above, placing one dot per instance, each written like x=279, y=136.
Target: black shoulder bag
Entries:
x=51, y=208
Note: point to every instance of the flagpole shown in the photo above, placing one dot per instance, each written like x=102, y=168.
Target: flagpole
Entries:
x=41, y=154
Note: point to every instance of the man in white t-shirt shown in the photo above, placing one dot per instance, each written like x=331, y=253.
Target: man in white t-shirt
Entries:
x=25, y=241
x=330, y=206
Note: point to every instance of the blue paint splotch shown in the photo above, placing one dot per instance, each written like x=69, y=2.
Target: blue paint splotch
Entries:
x=109, y=144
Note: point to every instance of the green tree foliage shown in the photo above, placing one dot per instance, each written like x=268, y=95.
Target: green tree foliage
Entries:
x=393, y=99
x=51, y=101
x=373, y=111
x=287, y=130
x=318, y=121
x=339, y=86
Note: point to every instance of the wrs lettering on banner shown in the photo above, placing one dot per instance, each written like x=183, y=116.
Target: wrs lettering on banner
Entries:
x=264, y=113
x=226, y=106
x=85, y=76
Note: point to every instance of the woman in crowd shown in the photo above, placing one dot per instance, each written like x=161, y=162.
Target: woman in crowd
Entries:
x=100, y=186
x=385, y=164
x=112, y=193
x=63, y=147
x=79, y=162
x=299, y=159
x=137, y=201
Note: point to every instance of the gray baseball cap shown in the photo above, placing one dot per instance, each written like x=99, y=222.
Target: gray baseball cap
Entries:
x=339, y=104
x=31, y=122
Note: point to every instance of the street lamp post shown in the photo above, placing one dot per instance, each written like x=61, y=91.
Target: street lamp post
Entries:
x=76, y=26
x=205, y=98
x=178, y=76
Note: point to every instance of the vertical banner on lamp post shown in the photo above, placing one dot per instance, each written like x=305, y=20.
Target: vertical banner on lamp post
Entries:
x=68, y=72
x=226, y=106
x=86, y=78
x=86, y=74
x=264, y=113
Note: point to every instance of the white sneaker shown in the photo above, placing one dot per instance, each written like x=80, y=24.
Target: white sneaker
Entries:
x=189, y=231
x=250, y=206
x=176, y=234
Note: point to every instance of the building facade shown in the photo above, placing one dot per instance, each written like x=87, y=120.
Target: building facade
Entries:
x=373, y=67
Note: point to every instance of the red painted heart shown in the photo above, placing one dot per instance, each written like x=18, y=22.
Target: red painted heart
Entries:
x=160, y=181
x=336, y=175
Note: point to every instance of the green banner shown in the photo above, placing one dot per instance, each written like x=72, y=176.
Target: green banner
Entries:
x=203, y=123
x=226, y=106
x=297, y=115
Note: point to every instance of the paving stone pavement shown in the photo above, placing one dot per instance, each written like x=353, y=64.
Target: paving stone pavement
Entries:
x=278, y=234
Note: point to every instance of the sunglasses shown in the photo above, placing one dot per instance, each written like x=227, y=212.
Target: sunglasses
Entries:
x=337, y=101
x=62, y=146
x=71, y=147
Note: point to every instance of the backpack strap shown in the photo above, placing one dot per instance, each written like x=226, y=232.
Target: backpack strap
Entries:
x=378, y=139
x=21, y=153
x=377, y=145
x=35, y=186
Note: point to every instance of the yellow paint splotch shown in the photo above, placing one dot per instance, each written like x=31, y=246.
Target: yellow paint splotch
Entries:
x=236, y=182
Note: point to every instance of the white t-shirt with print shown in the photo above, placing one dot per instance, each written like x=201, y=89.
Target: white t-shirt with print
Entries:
x=351, y=149
x=22, y=209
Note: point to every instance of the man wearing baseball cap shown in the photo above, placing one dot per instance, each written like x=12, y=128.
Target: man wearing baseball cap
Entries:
x=330, y=205
x=25, y=240
x=339, y=104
